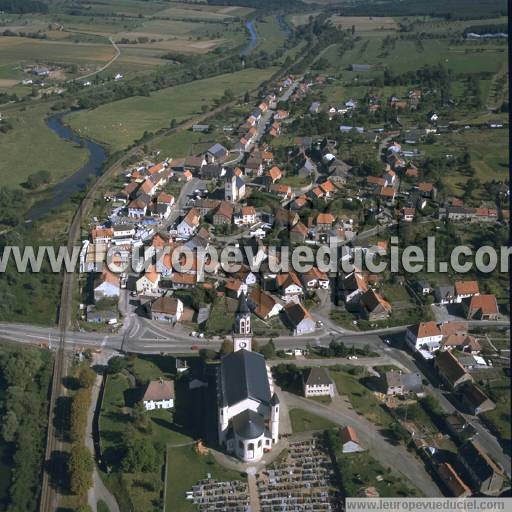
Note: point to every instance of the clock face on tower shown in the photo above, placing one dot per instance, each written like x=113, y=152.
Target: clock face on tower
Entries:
x=240, y=343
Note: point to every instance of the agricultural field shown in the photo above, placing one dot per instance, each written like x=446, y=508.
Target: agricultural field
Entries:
x=364, y=24
x=119, y=123
x=144, y=30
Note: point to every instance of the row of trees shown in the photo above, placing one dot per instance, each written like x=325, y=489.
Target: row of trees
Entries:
x=81, y=463
x=24, y=378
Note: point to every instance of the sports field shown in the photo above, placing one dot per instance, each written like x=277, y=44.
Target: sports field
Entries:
x=119, y=123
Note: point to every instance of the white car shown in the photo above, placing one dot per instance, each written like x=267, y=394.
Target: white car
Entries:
x=387, y=342
x=352, y=357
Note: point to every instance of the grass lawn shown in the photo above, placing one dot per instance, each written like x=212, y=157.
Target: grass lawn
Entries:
x=220, y=320
x=31, y=146
x=362, y=399
x=185, y=143
x=184, y=469
x=120, y=123
x=359, y=471
x=134, y=491
x=304, y=421
x=489, y=156
x=102, y=506
x=499, y=418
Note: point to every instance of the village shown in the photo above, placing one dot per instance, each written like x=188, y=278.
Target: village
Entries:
x=256, y=195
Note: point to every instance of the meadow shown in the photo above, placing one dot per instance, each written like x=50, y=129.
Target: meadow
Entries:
x=119, y=123
x=31, y=146
x=184, y=469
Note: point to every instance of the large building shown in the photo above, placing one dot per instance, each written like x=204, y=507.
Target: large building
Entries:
x=248, y=413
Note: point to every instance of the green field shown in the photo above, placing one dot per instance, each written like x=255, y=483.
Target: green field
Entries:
x=31, y=146
x=135, y=490
x=361, y=470
x=184, y=469
x=362, y=399
x=489, y=156
x=304, y=421
x=119, y=123
x=184, y=143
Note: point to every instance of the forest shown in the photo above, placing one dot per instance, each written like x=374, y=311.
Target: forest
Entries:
x=24, y=382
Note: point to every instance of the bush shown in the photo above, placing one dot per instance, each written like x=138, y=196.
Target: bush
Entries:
x=140, y=456
x=86, y=377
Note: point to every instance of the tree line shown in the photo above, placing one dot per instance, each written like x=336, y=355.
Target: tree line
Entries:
x=24, y=382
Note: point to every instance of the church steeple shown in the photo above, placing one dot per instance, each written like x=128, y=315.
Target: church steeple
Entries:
x=242, y=329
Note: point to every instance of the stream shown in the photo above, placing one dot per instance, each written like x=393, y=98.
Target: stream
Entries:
x=63, y=190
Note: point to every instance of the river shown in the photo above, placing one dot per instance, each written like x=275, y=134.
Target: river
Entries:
x=78, y=180
x=253, y=39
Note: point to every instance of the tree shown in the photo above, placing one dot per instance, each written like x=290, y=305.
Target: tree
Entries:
x=140, y=456
x=140, y=417
x=87, y=377
x=226, y=347
x=268, y=350
x=80, y=469
x=9, y=426
x=116, y=365
x=84, y=508
x=37, y=179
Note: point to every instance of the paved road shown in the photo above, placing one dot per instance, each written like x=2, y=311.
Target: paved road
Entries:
x=98, y=491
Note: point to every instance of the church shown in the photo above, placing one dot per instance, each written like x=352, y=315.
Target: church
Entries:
x=248, y=407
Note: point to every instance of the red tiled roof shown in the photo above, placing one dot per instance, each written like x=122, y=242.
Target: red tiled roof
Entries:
x=466, y=287
x=325, y=218
x=487, y=304
x=159, y=390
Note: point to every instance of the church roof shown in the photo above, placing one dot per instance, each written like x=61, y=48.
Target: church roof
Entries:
x=243, y=307
x=248, y=424
x=244, y=375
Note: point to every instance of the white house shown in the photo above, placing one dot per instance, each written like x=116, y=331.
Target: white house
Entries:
x=353, y=286
x=148, y=283
x=190, y=224
x=289, y=286
x=424, y=336
x=108, y=285
x=167, y=309
x=246, y=216
x=137, y=209
x=159, y=395
x=318, y=383
x=265, y=306
x=315, y=279
x=298, y=319
x=350, y=441
x=465, y=289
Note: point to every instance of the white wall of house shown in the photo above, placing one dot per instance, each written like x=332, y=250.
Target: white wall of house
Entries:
x=151, y=405
x=319, y=390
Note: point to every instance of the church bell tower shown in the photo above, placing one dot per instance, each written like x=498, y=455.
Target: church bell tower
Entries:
x=242, y=330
